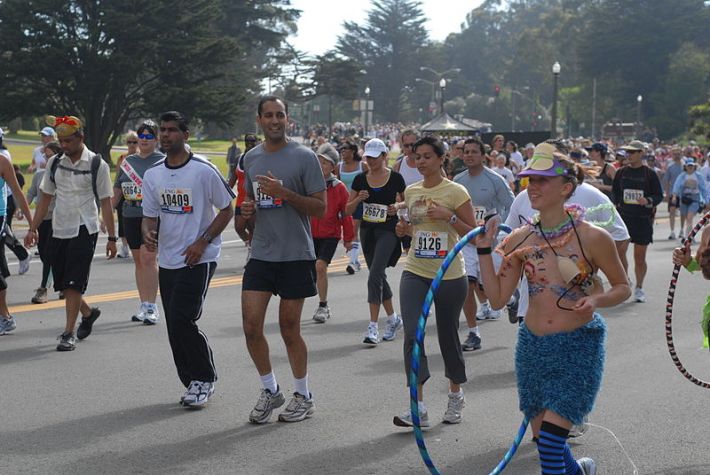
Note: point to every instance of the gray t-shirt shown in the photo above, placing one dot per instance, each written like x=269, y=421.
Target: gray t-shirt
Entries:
x=281, y=232
x=488, y=190
x=132, y=193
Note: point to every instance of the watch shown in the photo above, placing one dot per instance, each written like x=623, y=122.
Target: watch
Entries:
x=113, y=239
x=453, y=219
x=206, y=236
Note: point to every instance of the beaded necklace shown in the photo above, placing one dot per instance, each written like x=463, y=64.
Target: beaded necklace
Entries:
x=575, y=215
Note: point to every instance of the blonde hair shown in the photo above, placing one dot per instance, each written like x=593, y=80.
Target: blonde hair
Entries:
x=131, y=134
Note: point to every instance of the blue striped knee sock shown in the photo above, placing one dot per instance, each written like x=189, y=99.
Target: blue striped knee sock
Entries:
x=555, y=455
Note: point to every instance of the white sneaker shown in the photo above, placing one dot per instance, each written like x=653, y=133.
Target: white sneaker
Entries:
x=322, y=314
x=588, y=466
x=454, y=408
x=393, y=324
x=24, y=265
x=372, y=336
x=150, y=317
x=198, y=393
x=493, y=314
x=639, y=295
x=123, y=252
x=483, y=311
x=405, y=420
x=140, y=315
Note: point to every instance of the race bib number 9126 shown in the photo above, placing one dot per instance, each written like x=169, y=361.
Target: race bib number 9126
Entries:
x=431, y=245
x=176, y=200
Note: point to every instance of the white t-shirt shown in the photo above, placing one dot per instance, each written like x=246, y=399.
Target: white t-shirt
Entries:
x=518, y=159
x=585, y=195
x=184, y=198
x=705, y=171
x=505, y=173
x=39, y=157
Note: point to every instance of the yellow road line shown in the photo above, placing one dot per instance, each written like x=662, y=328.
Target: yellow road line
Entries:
x=337, y=265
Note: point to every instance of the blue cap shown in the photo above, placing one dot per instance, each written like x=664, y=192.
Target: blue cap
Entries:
x=47, y=132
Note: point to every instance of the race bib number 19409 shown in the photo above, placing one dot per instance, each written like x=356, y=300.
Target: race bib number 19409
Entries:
x=431, y=245
x=176, y=200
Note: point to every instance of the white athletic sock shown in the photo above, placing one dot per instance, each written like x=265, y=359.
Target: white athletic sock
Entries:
x=302, y=386
x=422, y=407
x=393, y=316
x=268, y=381
x=355, y=252
x=459, y=393
x=475, y=330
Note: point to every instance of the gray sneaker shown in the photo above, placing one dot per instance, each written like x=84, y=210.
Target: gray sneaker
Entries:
x=67, y=342
x=322, y=314
x=298, y=409
x=405, y=420
x=40, y=295
x=393, y=324
x=150, y=317
x=454, y=408
x=265, y=406
x=473, y=342
x=198, y=394
x=7, y=324
x=588, y=466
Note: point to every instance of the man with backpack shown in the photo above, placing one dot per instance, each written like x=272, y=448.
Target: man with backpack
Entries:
x=79, y=180
x=636, y=191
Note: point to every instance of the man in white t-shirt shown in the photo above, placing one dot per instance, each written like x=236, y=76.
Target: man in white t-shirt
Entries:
x=501, y=169
x=182, y=192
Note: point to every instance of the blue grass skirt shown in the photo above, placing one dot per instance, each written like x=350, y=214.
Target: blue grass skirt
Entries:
x=561, y=372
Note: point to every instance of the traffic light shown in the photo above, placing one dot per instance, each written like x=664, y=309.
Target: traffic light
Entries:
x=496, y=90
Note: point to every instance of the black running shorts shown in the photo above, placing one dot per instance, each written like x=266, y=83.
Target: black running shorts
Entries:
x=290, y=280
x=71, y=260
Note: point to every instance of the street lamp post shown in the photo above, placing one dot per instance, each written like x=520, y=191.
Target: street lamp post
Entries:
x=639, y=100
x=367, y=110
x=442, y=86
x=556, y=74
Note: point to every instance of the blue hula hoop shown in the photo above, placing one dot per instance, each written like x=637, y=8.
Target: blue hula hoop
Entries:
x=416, y=356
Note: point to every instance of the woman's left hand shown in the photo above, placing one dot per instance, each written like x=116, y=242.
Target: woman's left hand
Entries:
x=586, y=305
x=436, y=211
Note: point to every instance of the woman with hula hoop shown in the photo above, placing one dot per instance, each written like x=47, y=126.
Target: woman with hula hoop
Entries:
x=560, y=352
x=439, y=211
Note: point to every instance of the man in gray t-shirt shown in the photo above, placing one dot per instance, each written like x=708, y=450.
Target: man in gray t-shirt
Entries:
x=285, y=186
x=282, y=232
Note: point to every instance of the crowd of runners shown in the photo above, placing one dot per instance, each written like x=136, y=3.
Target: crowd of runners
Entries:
x=574, y=207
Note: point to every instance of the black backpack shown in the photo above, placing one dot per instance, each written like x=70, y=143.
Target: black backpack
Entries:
x=95, y=164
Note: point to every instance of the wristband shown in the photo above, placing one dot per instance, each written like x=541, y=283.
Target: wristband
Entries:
x=482, y=251
x=693, y=265
x=113, y=239
x=206, y=236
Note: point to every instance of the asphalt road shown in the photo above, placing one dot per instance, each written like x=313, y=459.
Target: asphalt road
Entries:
x=111, y=405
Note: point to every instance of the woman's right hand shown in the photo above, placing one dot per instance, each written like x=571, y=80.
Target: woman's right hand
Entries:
x=486, y=238
x=363, y=195
x=681, y=256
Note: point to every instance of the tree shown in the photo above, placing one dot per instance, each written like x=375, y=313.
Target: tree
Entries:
x=113, y=62
x=387, y=46
x=334, y=76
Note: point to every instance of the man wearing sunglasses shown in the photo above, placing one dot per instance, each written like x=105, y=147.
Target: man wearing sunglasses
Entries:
x=406, y=166
x=129, y=186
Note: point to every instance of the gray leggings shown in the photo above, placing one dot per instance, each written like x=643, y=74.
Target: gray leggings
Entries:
x=449, y=302
x=378, y=289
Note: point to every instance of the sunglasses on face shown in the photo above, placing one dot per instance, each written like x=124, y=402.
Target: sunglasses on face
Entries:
x=146, y=136
x=407, y=145
x=131, y=142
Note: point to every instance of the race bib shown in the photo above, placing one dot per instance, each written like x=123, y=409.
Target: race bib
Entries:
x=431, y=245
x=479, y=215
x=631, y=197
x=176, y=200
x=131, y=191
x=374, y=213
x=264, y=201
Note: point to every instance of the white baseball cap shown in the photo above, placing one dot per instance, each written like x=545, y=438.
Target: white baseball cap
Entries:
x=375, y=148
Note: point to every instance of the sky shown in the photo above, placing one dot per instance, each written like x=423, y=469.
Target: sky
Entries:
x=322, y=20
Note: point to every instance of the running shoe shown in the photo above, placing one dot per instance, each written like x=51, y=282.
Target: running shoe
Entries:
x=67, y=342
x=7, y=324
x=513, y=307
x=353, y=267
x=493, y=314
x=299, y=408
x=405, y=420
x=123, y=252
x=372, y=337
x=322, y=314
x=483, y=311
x=140, y=315
x=473, y=342
x=588, y=466
x=454, y=408
x=393, y=324
x=40, y=295
x=87, y=323
x=671, y=236
x=265, y=406
x=24, y=265
x=150, y=317
x=578, y=430
x=198, y=394
x=639, y=295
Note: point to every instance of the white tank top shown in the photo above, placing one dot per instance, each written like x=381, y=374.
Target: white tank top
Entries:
x=410, y=174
